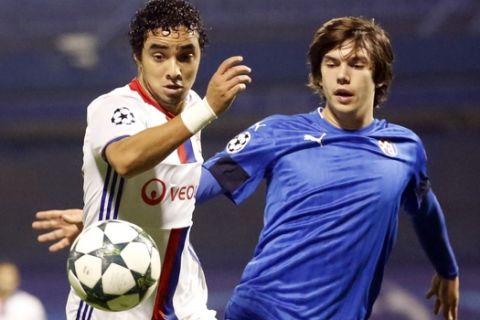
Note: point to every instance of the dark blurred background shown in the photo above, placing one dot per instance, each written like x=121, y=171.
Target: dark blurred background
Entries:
x=56, y=56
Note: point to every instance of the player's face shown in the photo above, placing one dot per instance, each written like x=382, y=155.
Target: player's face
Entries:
x=8, y=280
x=348, y=87
x=169, y=65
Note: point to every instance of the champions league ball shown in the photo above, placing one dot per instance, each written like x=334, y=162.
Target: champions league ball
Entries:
x=113, y=265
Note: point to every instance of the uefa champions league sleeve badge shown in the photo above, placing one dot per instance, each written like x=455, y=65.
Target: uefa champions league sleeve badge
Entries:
x=123, y=116
x=239, y=142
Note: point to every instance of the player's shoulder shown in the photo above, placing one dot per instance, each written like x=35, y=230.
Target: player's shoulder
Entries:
x=395, y=130
x=399, y=134
x=287, y=122
x=122, y=95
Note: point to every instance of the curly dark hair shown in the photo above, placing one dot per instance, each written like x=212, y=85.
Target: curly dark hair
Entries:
x=165, y=15
x=365, y=34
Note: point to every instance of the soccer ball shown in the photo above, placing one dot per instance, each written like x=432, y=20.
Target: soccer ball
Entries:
x=113, y=265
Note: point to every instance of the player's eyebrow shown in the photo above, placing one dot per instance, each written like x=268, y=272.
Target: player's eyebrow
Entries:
x=330, y=58
x=159, y=46
x=355, y=58
x=360, y=58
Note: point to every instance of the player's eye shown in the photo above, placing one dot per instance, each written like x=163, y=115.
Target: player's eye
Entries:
x=186, y=57
x=158, y=56
x=358, y=63
x=330, y=63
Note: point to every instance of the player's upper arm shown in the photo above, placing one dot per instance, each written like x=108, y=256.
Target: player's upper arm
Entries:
x=109, y=119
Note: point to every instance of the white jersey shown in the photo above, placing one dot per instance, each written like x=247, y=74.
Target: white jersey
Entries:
x=160, y=200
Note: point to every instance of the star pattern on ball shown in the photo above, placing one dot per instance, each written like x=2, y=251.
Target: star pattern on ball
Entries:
x=113, y=265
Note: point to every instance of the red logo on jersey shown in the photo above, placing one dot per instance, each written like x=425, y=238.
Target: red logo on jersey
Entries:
x=155, y=191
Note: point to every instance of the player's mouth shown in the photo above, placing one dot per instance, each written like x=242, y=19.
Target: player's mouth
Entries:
x=173, y=89
x=343, y=96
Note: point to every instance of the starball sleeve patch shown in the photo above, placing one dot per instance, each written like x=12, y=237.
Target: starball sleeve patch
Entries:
x=122, y=115
x=238, y=143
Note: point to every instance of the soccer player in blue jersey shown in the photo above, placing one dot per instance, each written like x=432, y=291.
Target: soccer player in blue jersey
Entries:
x=336, y=180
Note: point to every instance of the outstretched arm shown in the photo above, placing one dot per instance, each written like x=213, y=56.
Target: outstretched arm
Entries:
x=208, y=187
x=430, y=227
x=60, y=226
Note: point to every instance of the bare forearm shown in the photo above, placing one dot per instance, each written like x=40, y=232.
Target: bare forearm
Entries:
x=138, y=153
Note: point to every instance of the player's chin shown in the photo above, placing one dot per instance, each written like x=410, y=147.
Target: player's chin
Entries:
x=345, y=107
x=171, y=102
x=175, y=95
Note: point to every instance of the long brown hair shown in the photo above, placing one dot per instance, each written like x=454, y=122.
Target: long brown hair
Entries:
x=365, y=34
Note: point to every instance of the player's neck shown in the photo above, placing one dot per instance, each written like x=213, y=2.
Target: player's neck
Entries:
x=347, y=120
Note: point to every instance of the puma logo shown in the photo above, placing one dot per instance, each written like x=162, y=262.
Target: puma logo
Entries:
x=309, y=137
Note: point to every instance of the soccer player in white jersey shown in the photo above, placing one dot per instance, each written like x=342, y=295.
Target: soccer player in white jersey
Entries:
x=142, y=156
x=336, y=179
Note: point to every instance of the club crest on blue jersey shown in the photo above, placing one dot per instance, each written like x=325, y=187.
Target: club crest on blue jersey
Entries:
x=123, y=115
x=238, y=143
x=388, y=148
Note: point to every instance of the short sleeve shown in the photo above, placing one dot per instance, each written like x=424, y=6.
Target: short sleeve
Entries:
x=110, y=118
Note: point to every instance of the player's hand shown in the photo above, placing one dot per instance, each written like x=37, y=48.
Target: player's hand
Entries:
x=230, y=78
x=447, y=296
x=61, y=227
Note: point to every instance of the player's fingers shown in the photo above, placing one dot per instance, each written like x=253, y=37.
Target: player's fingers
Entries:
x=430, y=293
x=237, y=89
x=434, y=287
x=43, y=225
x=60, y=245
x=228, y=63
x=236, y=71
x=446, y=313
x=37, y=225
x=454, y=314
x=237, y=84
x=436, y=309
x=450, y=310
x=73, y=217
x=48, y=214
x=51, y=236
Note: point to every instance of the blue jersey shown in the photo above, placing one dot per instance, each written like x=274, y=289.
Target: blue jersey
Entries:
x=330, y=220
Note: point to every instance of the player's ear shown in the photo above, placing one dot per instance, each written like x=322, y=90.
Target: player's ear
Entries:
x=138, y=62
x=136, y=59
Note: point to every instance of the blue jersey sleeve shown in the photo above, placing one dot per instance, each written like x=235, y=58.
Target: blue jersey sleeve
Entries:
x=419, y=184
x=241, y=166
x=208, y=187
x=430, y=227
x=428, y=218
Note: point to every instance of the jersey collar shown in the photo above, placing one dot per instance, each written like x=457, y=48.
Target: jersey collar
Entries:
x=135, y=85
x=362, y=131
